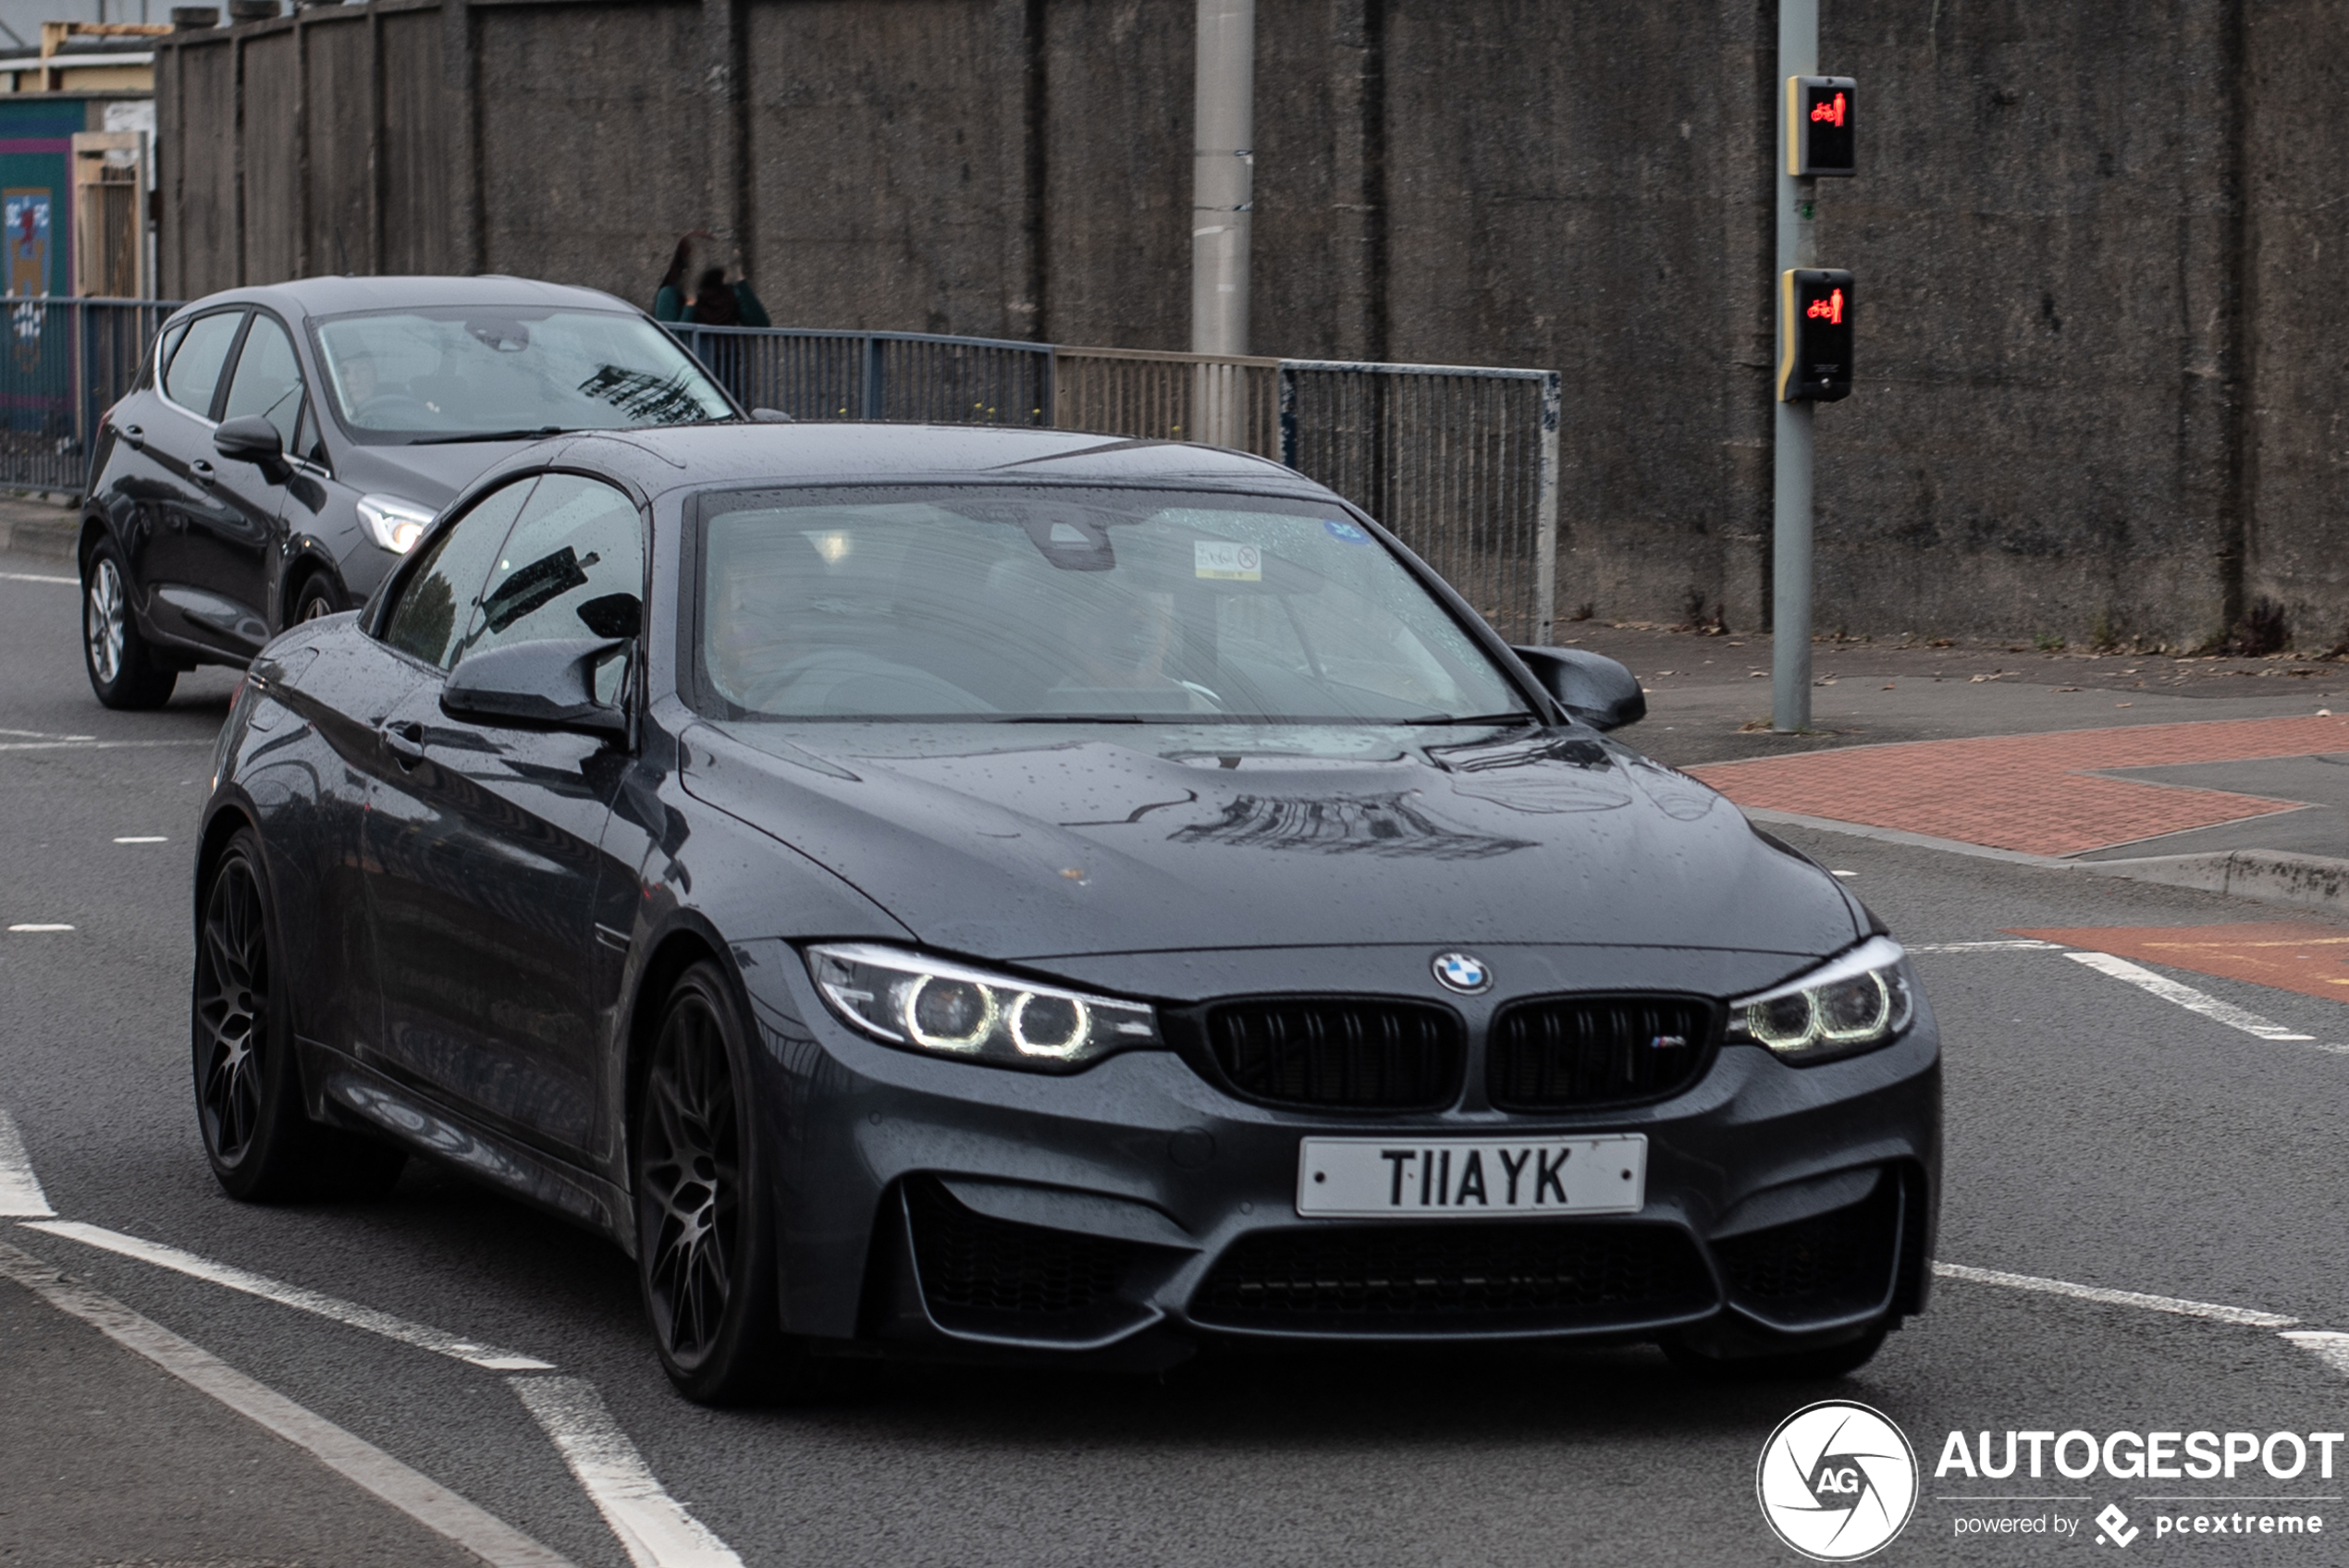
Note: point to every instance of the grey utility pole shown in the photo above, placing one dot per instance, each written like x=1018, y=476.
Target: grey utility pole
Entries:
x=1223, y=176
x=1791, y=429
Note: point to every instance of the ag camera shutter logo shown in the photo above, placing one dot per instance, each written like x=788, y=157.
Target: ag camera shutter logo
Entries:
x=1836, y=1481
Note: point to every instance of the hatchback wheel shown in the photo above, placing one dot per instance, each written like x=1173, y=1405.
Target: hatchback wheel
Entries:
x=706, y=1242
x=123, y=671
x=316, y=597
x=260, y=1140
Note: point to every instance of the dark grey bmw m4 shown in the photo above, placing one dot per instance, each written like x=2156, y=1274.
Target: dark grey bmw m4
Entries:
x=1016, y=894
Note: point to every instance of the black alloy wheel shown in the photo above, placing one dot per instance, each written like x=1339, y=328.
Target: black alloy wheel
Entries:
x=705, y=1250
x=315, y=597
x=261, y=1142
x=124, y=672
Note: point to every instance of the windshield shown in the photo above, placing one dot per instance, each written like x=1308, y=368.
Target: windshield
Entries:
x=404, y=376
x=1064, y=603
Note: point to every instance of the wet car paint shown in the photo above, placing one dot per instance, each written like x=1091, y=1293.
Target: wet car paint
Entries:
x=477, y=933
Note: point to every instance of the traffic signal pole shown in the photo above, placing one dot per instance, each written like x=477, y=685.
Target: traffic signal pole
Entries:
x=1791, y=429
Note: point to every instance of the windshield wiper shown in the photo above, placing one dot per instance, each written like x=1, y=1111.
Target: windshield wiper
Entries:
x=490, y=435
x=1473, y=718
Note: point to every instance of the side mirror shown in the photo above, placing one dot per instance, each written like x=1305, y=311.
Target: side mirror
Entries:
x=1590, y=687
x=253, y=439
x=549, y=684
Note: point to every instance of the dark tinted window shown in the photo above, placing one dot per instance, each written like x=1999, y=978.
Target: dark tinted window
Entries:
x=193, y=371
x=441, y=594
x=268, y=380
x=574, y=567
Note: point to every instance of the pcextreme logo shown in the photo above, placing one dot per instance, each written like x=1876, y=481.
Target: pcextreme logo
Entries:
x=1836, y=1481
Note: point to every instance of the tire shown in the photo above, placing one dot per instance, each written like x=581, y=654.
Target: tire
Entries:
x=1819, y=1365
x=259, y=1137
x=316, y=596
x=123, y=671
x=705, y=1230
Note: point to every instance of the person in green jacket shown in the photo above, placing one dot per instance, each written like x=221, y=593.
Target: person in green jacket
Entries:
x=715, y=300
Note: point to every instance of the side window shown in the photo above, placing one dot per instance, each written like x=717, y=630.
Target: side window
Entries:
x=442, y=594
x=193, y=370
x=268, y=380
x=166, y=347
x=574, y=567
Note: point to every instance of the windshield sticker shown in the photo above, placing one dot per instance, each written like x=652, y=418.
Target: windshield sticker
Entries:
x=1345, y=533
x=1228, y=562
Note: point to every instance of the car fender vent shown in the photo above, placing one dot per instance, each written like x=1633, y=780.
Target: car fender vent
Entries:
x=1355, y=1053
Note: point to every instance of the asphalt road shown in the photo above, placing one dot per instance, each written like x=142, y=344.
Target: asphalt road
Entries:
x=2099, y=1135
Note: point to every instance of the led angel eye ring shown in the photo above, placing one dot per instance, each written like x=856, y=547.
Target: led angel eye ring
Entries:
x=992, y=1015
x=1878, y=1019
x=1081, y=1027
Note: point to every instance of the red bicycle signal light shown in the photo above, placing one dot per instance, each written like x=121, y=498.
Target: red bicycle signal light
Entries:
x=1814, y=335
x=1819, y=131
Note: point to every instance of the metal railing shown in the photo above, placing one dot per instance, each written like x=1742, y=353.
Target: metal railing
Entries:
x=64, y=364
x=878, y=376
x=1461, y=461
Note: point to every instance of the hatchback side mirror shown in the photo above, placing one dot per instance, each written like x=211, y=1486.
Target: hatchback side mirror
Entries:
x=253, y=439
x=547, y=684
x=1590, y=687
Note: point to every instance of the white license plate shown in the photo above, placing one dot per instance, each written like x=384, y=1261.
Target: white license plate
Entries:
x=1471, y=1178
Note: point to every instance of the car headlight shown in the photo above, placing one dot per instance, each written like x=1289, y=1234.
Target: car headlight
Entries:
x=1850, y=1004
x=394, y=523
x=948, y=1008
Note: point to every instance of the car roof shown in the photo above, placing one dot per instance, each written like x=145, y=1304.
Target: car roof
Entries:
x=334, y=296
x=670, y=458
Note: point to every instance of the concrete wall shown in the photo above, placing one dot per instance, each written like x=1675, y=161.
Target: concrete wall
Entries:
x=2100, y=348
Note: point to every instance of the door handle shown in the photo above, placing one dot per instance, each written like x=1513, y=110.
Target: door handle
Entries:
x=405, y=742
x=135, y=435
x=201, y=470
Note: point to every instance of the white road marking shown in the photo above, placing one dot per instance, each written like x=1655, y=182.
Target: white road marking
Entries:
x=2183, y=1308
x=295, y=1297
x=145, y=838
x=2326, y=1345
x=2187, y=996
x=655, y=1528
x=418, y=1496
x=20, y=1194
x=2018, y=946
x=36, y=577
x=39, y=926
x=44, y=735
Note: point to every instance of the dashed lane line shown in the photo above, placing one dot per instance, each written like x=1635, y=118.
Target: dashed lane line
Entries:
x=38, y=577
x=2017, y=945
x=417, y=1495
x=2187, y=996
x=2214, y=1311
x=20, y=1194
x=295, y=1296
x=658, y=1530
x=97, y=745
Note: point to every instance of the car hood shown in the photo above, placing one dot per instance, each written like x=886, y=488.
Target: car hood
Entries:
x=430, y=476
x=1034, y=842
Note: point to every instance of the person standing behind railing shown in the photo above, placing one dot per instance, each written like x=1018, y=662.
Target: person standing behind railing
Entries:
x=718, y=302
x=671, y=301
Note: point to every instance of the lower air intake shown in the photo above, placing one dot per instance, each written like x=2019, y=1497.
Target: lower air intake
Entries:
x=1417, y=1278
x=981, y=1272
x=1831, y=1265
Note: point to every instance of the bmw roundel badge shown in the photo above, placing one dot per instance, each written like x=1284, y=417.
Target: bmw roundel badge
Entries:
x=1464, y=973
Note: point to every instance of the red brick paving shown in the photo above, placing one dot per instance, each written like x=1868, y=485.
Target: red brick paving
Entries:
x=2029, y=792
x=2290, y=955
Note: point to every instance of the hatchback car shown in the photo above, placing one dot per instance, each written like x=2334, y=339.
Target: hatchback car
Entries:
x=283, y=447
x=1020, y=894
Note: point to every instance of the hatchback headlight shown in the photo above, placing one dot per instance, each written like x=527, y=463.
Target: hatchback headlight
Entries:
x=394, y=523
x=1850, y=1004
x=951, y=1010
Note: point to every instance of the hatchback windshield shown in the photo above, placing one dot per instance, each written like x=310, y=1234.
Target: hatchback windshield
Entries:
x=1058, y=604
x=476, y=373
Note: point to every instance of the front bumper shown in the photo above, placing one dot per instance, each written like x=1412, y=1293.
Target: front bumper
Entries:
x=1133, y=1212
